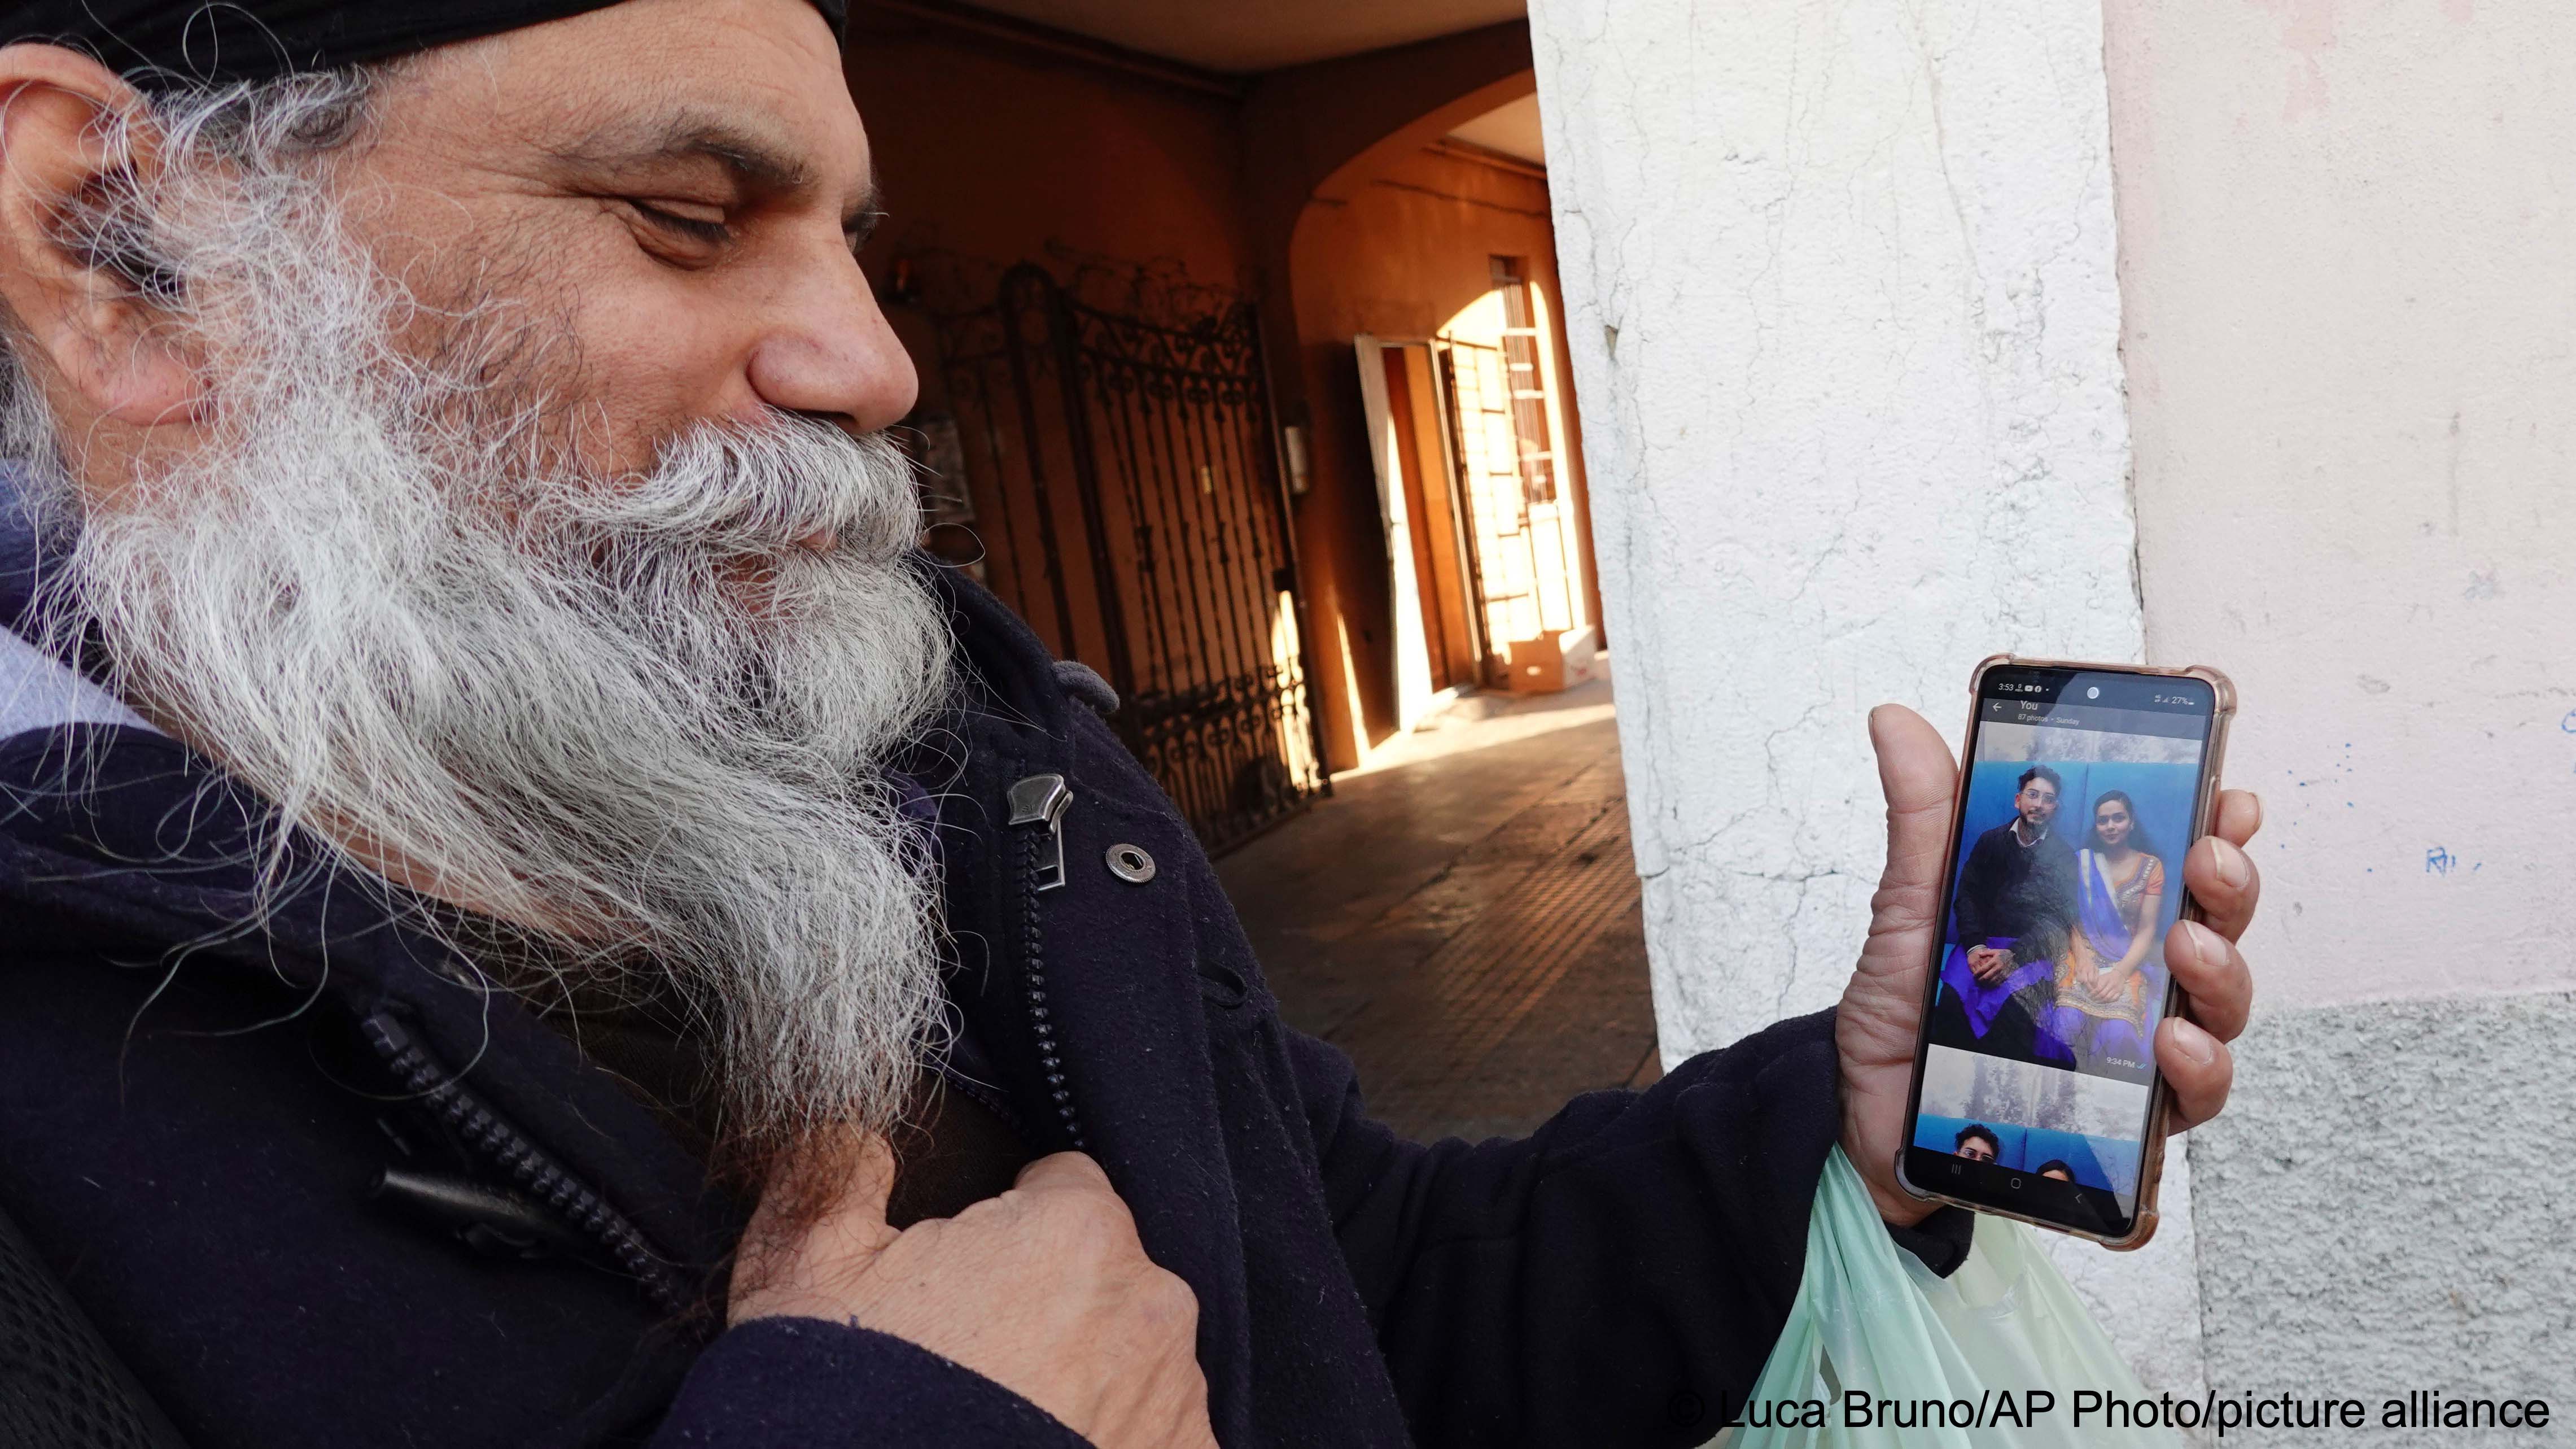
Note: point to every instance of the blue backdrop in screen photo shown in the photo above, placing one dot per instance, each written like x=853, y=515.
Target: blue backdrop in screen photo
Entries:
x=2163, y=795
x=2104, y=1162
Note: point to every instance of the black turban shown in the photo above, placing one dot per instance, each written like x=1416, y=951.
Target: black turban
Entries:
x=167, y=42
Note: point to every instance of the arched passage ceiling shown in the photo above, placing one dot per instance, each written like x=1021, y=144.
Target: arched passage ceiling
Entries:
x=1511, y=128
x=1243, y=38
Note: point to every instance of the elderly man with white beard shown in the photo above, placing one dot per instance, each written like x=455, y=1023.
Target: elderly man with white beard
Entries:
x=534, y=917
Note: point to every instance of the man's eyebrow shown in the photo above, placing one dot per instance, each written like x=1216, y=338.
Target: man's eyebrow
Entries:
x=755, y=162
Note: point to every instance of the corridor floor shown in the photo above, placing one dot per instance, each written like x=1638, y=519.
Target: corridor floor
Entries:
x=1462, y=918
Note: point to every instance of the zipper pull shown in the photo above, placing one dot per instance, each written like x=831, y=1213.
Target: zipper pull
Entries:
x=1042, y=800
x=492, y=1222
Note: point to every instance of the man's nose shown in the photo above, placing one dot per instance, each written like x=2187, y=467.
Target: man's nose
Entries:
x=830, y=352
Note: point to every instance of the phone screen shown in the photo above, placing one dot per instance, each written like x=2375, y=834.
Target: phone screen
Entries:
x=2036, y=1076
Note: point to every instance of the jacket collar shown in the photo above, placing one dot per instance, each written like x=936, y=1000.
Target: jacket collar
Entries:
x=37, y=690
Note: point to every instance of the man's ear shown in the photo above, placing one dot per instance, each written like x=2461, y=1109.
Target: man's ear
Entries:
x=85, y=318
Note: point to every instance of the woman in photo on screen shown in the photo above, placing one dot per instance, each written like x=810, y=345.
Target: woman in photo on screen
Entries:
x=2103, y=986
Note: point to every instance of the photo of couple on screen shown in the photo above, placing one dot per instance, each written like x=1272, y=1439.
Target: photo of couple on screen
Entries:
x=2068, y=877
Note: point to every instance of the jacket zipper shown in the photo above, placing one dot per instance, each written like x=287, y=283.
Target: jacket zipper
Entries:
x=526, y=1164
x=1039, y=802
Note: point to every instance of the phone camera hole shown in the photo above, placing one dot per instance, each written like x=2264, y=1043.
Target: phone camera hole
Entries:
x=2093, y=693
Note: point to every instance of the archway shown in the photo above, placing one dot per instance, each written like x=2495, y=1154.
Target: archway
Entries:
x=1414, y=257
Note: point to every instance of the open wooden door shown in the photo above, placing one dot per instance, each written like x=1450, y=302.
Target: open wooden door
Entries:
x=1431, y=585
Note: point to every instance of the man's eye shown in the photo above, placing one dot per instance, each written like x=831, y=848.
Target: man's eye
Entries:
x=702, y=230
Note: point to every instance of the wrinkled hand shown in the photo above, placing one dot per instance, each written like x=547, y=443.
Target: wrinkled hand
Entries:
x=1882, y=1007
x=1045, y=1290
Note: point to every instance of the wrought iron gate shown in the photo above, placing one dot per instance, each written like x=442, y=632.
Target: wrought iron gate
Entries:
x=1181, y=583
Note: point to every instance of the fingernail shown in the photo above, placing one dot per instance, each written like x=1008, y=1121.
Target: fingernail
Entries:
x=2231, y=862
x=2194, y=1043
x=2206, y=948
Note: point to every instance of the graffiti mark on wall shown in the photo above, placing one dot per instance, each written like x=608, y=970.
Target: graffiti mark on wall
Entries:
x=2440, y=861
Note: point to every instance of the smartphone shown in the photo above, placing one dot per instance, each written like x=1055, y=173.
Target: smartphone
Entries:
x=2035, y=1092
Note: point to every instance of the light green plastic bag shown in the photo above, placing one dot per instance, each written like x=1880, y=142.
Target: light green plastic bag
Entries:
x=1870, y=1318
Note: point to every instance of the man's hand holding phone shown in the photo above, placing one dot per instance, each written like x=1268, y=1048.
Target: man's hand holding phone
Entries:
x=1882, y=1006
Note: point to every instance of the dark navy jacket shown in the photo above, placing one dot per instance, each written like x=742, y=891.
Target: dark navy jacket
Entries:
x=197, y=1106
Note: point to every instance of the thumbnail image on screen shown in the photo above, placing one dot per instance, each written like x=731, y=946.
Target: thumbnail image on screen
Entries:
x=2042, y=1121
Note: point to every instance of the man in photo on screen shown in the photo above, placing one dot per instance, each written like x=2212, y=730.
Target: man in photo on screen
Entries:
x=2014, y=909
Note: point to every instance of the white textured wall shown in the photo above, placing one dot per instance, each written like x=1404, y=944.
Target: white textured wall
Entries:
x=1844, y=324
x=1845, y=331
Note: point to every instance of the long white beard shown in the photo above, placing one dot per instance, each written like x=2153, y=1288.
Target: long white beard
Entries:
x=629, y=713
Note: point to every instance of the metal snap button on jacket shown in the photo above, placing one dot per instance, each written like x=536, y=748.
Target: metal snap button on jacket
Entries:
x=1131, y=864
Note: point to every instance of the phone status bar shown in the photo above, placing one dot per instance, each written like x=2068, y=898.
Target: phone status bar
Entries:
x=2051, y=714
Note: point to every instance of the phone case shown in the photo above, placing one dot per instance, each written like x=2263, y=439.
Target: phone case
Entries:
x=2151, y=1155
